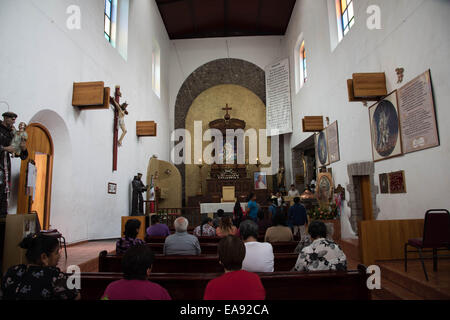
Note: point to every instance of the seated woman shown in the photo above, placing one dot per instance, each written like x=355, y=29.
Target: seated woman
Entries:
x=129, y=240
x=206, y=229
x=40, y=279
x=235, y=284
x=321, y=254
x=136, y=265
x=258, y=255
x=157, y=229
x=226, y=227
x=279, y=232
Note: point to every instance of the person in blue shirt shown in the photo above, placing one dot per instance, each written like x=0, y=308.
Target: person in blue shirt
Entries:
x=298, y=218
x=252, y=207
x=273, y=208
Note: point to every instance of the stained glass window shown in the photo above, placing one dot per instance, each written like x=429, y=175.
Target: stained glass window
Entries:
x=347, y=15
x=303, y=62
x=108, y=16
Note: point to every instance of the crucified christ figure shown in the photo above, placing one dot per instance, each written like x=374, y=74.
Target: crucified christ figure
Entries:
x=121, y=112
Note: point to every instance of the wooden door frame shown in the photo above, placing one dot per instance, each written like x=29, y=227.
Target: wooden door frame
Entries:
x=48, y=182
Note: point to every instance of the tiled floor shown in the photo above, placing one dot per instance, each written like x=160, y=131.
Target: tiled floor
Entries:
x=85, y=255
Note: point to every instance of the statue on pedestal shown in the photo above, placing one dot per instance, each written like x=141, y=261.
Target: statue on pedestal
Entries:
x=137, y=205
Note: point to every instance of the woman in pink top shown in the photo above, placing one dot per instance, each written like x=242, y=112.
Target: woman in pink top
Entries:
x=136, y=264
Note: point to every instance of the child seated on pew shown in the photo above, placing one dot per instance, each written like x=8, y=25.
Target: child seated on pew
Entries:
x=40, y=279
x=136, y=265
x=235, y=284
x=129, y=240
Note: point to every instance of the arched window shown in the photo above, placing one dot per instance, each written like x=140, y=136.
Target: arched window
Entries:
x=301, y=72
x=156, y=69
x=346, y=16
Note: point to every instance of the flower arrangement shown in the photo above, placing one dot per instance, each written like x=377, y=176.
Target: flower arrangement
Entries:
x=324, y=212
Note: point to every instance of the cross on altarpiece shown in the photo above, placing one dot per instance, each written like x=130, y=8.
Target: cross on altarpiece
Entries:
x=227, y=116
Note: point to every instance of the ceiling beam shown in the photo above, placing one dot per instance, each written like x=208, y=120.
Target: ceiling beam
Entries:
x=162, y=3
x=225, y=17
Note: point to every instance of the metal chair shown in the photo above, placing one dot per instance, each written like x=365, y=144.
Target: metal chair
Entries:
x=436, y=236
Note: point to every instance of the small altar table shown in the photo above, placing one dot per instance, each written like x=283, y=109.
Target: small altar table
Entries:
x=226, y=206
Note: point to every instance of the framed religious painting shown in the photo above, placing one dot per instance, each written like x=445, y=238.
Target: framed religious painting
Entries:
x=322, y=149
x=324, y=187
x=112, y=188
x=417, y=115
x=260, y=180
x=384, y=183
x=385, y=128
x=397, y=182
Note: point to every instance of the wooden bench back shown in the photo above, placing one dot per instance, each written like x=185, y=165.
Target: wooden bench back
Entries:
x=188, y=264
x=211, y=247
x=350, y=285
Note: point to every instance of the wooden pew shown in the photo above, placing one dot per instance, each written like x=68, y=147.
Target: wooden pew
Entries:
x=211, y=248
x=188, y=264
x=349, y=285
x=200, y=239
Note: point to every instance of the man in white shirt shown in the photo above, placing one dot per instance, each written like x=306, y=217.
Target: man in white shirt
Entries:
x=293, y=192
x=258, y=256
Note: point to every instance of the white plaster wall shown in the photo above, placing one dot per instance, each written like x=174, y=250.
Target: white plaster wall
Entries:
x=39, y=61
x=414, y=35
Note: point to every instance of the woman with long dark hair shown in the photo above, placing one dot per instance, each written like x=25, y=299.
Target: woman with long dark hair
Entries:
x=40, y=279
x=238, y=213
x=226, y=227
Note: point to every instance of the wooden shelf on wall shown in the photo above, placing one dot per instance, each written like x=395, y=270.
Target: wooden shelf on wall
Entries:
x=146, y=128
x=366, y=87
x=90, y=95
x=312, y=124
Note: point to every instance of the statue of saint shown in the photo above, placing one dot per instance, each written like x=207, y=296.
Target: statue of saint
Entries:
x=20, y=136
x=280, y=179
x=6, y=136
x=137, y=204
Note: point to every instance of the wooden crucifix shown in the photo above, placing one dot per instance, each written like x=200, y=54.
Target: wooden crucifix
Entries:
x=119, y=120
x=227, y=116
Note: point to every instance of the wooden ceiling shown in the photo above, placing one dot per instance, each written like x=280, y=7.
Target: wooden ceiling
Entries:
x=187, y=19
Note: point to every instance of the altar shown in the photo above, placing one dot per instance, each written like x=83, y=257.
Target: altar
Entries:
x=228, y=172
x=227, y=207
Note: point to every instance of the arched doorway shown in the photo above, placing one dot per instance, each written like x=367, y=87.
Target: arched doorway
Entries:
x=38, y=199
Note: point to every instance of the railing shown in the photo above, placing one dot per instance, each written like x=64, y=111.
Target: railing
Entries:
x=168, y=215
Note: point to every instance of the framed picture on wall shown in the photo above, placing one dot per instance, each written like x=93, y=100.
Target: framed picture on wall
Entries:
x=384, y=183
x=112, y=188
x=322, y=149
x=417, y=115
x=385, y=129
x=260, y=180
x=333, y=142
x=397, y=182
x=324, y=188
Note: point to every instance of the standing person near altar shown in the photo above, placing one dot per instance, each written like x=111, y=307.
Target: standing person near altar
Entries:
x=6, y=136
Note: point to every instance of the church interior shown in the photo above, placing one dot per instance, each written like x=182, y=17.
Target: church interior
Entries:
x=214, y=102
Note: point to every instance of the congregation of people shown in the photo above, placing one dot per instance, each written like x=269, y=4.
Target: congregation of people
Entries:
x=239, y=252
